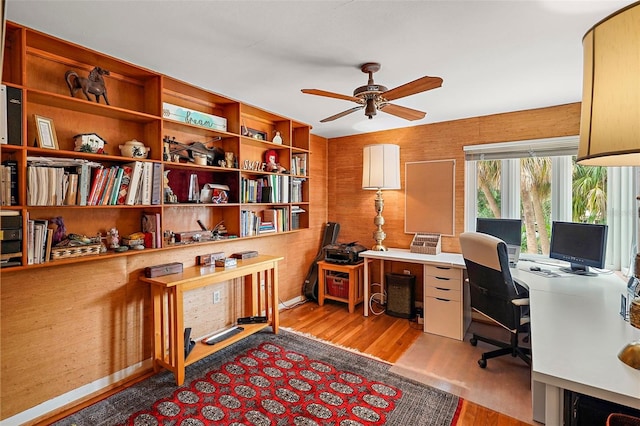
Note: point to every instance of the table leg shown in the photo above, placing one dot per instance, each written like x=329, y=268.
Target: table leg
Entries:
x=158, y=335
x=365, y=302
x=553, y=406
x=353, y=283
x=177, y=344
x=321, y=285
x=275, y=321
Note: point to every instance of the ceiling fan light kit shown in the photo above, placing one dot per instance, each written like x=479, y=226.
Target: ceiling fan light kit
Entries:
x=375, y=97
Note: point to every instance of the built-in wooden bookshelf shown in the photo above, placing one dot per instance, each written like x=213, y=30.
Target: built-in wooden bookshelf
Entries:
x=140, y=102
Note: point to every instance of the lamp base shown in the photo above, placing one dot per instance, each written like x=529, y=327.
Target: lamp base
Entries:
x=630, y=355
x=379, y=247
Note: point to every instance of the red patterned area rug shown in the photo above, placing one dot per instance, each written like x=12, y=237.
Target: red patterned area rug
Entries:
x=283, y=379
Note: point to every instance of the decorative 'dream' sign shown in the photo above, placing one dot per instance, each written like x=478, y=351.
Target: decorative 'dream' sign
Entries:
x=195, y=118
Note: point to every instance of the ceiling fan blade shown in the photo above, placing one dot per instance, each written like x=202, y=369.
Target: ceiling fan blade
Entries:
x=331, y=95
x=342, y=114
x=416, y=86
x=402, y=112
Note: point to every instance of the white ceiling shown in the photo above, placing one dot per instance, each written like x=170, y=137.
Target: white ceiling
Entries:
x=494, y=56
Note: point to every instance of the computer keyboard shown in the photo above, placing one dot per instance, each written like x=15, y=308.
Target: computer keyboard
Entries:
x=546, y=273
x=223, y=335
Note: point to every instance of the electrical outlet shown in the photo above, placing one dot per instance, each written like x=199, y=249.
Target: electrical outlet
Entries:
x=216, y=297
x=407, y=272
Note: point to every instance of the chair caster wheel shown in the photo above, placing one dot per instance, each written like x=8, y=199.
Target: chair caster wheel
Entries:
x=482, y=363
x=473, y=341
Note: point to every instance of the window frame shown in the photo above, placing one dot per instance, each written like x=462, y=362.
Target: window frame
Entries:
x=560, y=150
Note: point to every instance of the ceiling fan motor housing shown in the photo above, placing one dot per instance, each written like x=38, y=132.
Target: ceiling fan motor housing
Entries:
x=370, y=95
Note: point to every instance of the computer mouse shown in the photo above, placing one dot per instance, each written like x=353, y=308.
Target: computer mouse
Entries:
x=534, y=268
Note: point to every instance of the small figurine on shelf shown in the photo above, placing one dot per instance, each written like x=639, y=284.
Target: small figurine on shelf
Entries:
x=229, y=158
x=94, y=84
x=277, y=138
x=61, y=231
x=100, y=240
x=114, y=238
x=169, y=196
x=271, y=162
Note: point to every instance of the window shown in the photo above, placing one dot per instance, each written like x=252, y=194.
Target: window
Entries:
x=539, y=182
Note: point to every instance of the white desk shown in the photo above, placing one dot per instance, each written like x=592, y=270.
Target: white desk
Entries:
x=576, y=334
x=446, y=305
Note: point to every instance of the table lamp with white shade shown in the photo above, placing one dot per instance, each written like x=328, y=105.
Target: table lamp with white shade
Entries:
x=380, y=170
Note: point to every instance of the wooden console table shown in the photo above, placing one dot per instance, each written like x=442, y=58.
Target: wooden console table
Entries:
x=168, y=308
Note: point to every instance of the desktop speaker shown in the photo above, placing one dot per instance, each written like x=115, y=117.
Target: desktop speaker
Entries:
x=400, y=295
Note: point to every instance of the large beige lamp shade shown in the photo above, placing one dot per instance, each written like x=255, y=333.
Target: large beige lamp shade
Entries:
x=380, y=170
x=610, y=122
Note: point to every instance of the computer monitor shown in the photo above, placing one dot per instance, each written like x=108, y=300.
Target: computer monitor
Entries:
x=580, y=244
x=508, y=230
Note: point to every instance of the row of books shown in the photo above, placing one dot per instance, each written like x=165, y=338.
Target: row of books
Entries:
x=296, y=190
x=127, y=184
x=299, y=164
x=267, y=189
x=39, y=241
x=62, y=182
x=9, y=184
x=269, y=220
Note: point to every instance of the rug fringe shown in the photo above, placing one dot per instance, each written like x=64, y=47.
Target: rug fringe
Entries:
x=326, y=342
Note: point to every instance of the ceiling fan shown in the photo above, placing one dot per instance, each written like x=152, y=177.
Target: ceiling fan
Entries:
x=374, y=97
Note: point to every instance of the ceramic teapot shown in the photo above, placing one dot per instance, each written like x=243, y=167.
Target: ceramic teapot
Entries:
x=134, y=149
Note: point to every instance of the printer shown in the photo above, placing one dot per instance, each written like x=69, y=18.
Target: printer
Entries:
x=344, y=253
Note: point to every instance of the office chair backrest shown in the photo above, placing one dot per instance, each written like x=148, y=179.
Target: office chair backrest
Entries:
x=490, y=283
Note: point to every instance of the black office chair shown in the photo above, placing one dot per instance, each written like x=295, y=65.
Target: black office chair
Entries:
x=495, y=294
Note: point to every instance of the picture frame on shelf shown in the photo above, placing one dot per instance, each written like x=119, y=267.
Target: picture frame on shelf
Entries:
x=256, y=134
x=46, y=132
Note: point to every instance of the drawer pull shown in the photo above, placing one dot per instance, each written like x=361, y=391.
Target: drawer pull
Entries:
x=442, y=267
x=444, y=300
x=442, y=278
x=443, y=289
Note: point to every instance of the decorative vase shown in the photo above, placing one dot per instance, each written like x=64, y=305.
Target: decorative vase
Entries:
x=134, y=149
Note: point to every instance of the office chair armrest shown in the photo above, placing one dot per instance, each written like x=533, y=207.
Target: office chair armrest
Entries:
x=521, y=302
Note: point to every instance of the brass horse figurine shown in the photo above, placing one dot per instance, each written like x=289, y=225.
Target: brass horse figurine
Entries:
x=94, y=84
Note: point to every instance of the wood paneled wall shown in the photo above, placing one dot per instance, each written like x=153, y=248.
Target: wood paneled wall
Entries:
x=353, y=207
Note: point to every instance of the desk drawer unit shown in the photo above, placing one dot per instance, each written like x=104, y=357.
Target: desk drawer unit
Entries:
x=443, y=302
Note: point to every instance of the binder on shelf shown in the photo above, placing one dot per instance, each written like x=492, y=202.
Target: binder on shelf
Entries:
x=14, y=116
x=11, y=115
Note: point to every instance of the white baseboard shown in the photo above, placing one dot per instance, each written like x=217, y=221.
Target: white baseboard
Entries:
x=74, y=395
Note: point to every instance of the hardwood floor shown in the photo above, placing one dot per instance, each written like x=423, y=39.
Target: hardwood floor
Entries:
x=382, y=336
